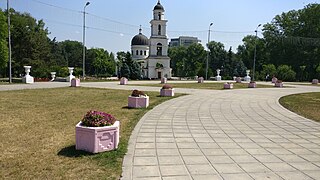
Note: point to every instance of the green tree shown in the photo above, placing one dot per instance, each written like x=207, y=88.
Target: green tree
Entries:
x=285, y=73
x=3, y=42
x=217, y=56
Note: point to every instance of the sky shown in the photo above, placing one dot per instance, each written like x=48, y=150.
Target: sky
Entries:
x=111, y=24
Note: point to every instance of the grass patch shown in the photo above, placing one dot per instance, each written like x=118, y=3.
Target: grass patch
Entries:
x=212, y=86
x=306, y=105
x=37, y=132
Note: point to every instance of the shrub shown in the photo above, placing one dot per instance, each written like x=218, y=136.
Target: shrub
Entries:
x=137, y=93
x=166, y=86
x=286, y=73
x=98, y=119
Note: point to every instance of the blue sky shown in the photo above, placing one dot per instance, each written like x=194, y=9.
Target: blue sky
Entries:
x=113, y=23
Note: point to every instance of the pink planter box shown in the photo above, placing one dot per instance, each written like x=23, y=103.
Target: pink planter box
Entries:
x=123, y=81
x=138, y=102
x=252, y=85
x=274, y=80
x=238, y=79
x=97, y=139
x=75, y=82
x=167, y=92
x=315, y=81
x=163, y=80
x=228, y=86
x=200, y=80
x=278, y=85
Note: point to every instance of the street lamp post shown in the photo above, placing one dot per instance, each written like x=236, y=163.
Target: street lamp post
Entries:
x=208, y=51
x=83, y=41
x=9, y=42
x=255, y=52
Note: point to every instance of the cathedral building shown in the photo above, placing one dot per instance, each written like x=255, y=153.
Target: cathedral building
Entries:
x=152, y=53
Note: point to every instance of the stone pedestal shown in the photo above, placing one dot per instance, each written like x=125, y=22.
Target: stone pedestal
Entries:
x=278, y=84
x=164, y=80
x=247, y=78
x=200, y=80
x=315, y=81
x=167, y=92
x=228, y=86
x=53, y=76
x=27, y=78
x=70, y=77
x=238, y=79
x=123, y=81
x=218, y=77
x=274, y=80
x=252, y=85
x=138, y=102
x=75, y=82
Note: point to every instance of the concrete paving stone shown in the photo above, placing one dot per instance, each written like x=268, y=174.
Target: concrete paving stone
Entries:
x=221, y=140
x=254, y=167
x=290, y=145
x=166, y=145
x=177, y=178
x=269, y=145
x=170, y=160
x=301, y=151
x=291, y=158
x=228, y=168
x=208, y=145
x=228, y=145
x=315, y=150
x=146, y=171
x=220, y=159
x=190, y=152
x=164, y=135
x=149, y=178
x=204, y=169
x=206, y=177
x=203, y=139
x=173, y=170
x=184, y=140
x=168, y=152
x=145, y=161
x=313, y=174
x=213, y=152
x=310, y=145
x=236, y=152
x=145, y=152
x=165, y=140
x=146, y=139
x=294, y=176
x=242, y=176
x=187, y=145
x=244, y=159
x=145, y=145
x=265, y=176
x=279, y=167
x=278, y=151
x=195, y=160
x=182, y=135
x=248, y=145
x=203, y=135
x=305, y=166
x=258, y=151
x=163, y=130
x=147, y=134
x=267, y=158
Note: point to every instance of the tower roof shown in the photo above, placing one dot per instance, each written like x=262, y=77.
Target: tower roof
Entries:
x=140, y=39
x=158, y=6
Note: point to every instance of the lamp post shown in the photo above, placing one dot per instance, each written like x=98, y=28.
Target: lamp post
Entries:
x=83, y=41
x=9, y=42
x=208, y=51
x=255, y=52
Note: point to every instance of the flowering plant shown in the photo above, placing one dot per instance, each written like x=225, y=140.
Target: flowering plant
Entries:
x=166, y=86
x=137, y=93
x=98, y=119
x=279, y=81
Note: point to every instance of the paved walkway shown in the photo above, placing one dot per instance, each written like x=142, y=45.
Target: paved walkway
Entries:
x=229, y=134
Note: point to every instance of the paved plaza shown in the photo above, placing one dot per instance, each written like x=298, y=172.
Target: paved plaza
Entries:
x=219, y=134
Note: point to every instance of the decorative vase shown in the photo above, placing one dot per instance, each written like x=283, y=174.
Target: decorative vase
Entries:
x=315, y=81
x=164, y=80
x=27, y=78
x=70, y=77
x=97, y=139
x=123, y=81
x=167, y=92
x=228, y=86
x=278, y=84
x=247, y=78
x=53, y=76
x=75, y=82
x=200, y=80
x=252, y=85
x=138, y=102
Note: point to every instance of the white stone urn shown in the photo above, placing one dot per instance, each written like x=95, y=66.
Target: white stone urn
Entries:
x=70, y=77
x=218, y=77
x=53, y=76
x=27, y=78
x=247, y=78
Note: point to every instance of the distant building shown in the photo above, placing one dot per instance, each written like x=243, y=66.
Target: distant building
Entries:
x=183, y=41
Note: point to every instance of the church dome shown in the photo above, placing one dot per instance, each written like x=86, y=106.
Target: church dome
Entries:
x=140, y=39
x=158, y=7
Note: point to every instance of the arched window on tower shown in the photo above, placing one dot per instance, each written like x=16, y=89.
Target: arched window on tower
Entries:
x=145, y=53
x=159, y=29
x=159, y=16
x=137, y=52
x=159, y=49
x=140, y=52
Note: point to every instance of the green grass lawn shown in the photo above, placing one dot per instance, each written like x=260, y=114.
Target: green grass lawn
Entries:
x=212, y=86
x=37, y=132
x=307, y=104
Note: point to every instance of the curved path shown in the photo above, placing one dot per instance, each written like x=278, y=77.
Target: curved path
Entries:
x=229, y=134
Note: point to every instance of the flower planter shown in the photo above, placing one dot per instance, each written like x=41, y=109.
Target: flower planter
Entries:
x=167, y=92
x=200, y=80
x=97, y=139
x=123, y=81
x=228, y=86
x=252, y=85
x=238, y=79
x=75, y=82
x=138, y=102
x=278, y=84
x=164, y=80
x=315, y=81
x=274, y=80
